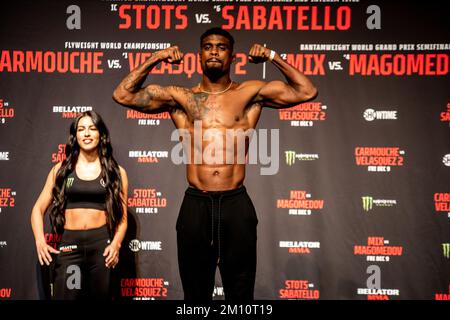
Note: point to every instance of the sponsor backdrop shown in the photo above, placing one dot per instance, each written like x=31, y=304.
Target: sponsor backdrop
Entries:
x=359, y=205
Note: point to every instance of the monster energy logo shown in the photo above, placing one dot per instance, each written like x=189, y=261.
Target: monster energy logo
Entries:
x=446, y=250
x=290, y=157
x=69, y=182
x=367, y=203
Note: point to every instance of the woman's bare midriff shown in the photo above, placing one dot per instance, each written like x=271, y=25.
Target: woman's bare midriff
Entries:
x=216, y=177
x=84, y=219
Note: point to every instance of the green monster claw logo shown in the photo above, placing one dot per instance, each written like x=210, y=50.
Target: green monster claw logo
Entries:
x=69, y=182
x=290, y=157
x=446, y=250
x=367, y=203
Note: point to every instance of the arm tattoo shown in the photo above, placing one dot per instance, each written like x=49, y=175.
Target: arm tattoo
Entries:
x=143, y=98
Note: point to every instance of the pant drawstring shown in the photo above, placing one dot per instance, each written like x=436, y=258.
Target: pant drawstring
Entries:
x=212, y=220
x=219, y=218
x=218, y=230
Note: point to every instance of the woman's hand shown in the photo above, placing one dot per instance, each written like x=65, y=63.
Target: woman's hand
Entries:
x=43, y=251
x=112, y=255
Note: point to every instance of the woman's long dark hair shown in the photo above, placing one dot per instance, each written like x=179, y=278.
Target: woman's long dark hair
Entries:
x=110, y=174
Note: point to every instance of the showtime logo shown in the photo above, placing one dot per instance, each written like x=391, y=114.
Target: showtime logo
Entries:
x=300, y=247
x=7, y=198
x=6, y=112
x=144, y=119
x=143, y=288
x=148, y=156
x=136, y=245
x=299, y=290
x=68, y=112
x=300, y=203
x=443, y=296
x=304, y=115
x=147, y=200
x=368, y=202
x=377, y=249
x=5, y=293
x=291, y=156
x=379, y=159
x=442, y=202
x=371, y=114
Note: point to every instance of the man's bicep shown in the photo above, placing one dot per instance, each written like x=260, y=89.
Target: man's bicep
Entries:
x=153, y=99
x=278, y=94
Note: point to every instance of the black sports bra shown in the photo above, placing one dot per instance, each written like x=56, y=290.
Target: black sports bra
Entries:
x=90, y=194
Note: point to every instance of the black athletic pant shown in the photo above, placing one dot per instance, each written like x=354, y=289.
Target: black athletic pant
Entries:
x=79, y=271
x=217, y=228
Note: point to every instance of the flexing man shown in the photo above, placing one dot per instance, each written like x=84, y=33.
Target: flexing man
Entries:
x=217, y=222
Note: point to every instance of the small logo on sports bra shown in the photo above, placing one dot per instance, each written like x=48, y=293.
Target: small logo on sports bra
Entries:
x=69, y=182
x=103, y=183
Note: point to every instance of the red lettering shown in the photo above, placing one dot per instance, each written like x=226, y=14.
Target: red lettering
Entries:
x=375, y=241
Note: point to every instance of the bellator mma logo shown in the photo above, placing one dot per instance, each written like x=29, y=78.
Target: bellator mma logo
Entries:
x=148, y=156
x=6, y=112
x=304, y=115
x=299, y=290
x=147, y=200
x=300, y=247
x=70, y=112
x=377, y=249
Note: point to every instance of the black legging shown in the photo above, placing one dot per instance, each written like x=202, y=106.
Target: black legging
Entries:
x=229, y=242
x=79, y=270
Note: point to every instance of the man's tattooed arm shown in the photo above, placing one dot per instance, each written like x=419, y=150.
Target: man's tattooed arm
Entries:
x=150, y=99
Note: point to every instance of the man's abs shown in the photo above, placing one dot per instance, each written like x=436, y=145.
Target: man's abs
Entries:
x=216, y=177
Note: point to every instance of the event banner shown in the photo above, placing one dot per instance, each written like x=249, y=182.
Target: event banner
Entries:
x=351, y=189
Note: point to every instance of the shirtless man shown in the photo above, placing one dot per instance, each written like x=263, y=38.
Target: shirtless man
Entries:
x=217, y=222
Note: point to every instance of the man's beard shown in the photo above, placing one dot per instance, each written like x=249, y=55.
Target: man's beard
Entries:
x=213, y=73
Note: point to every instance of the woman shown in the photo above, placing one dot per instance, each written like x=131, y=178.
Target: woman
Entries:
x=88, y=195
